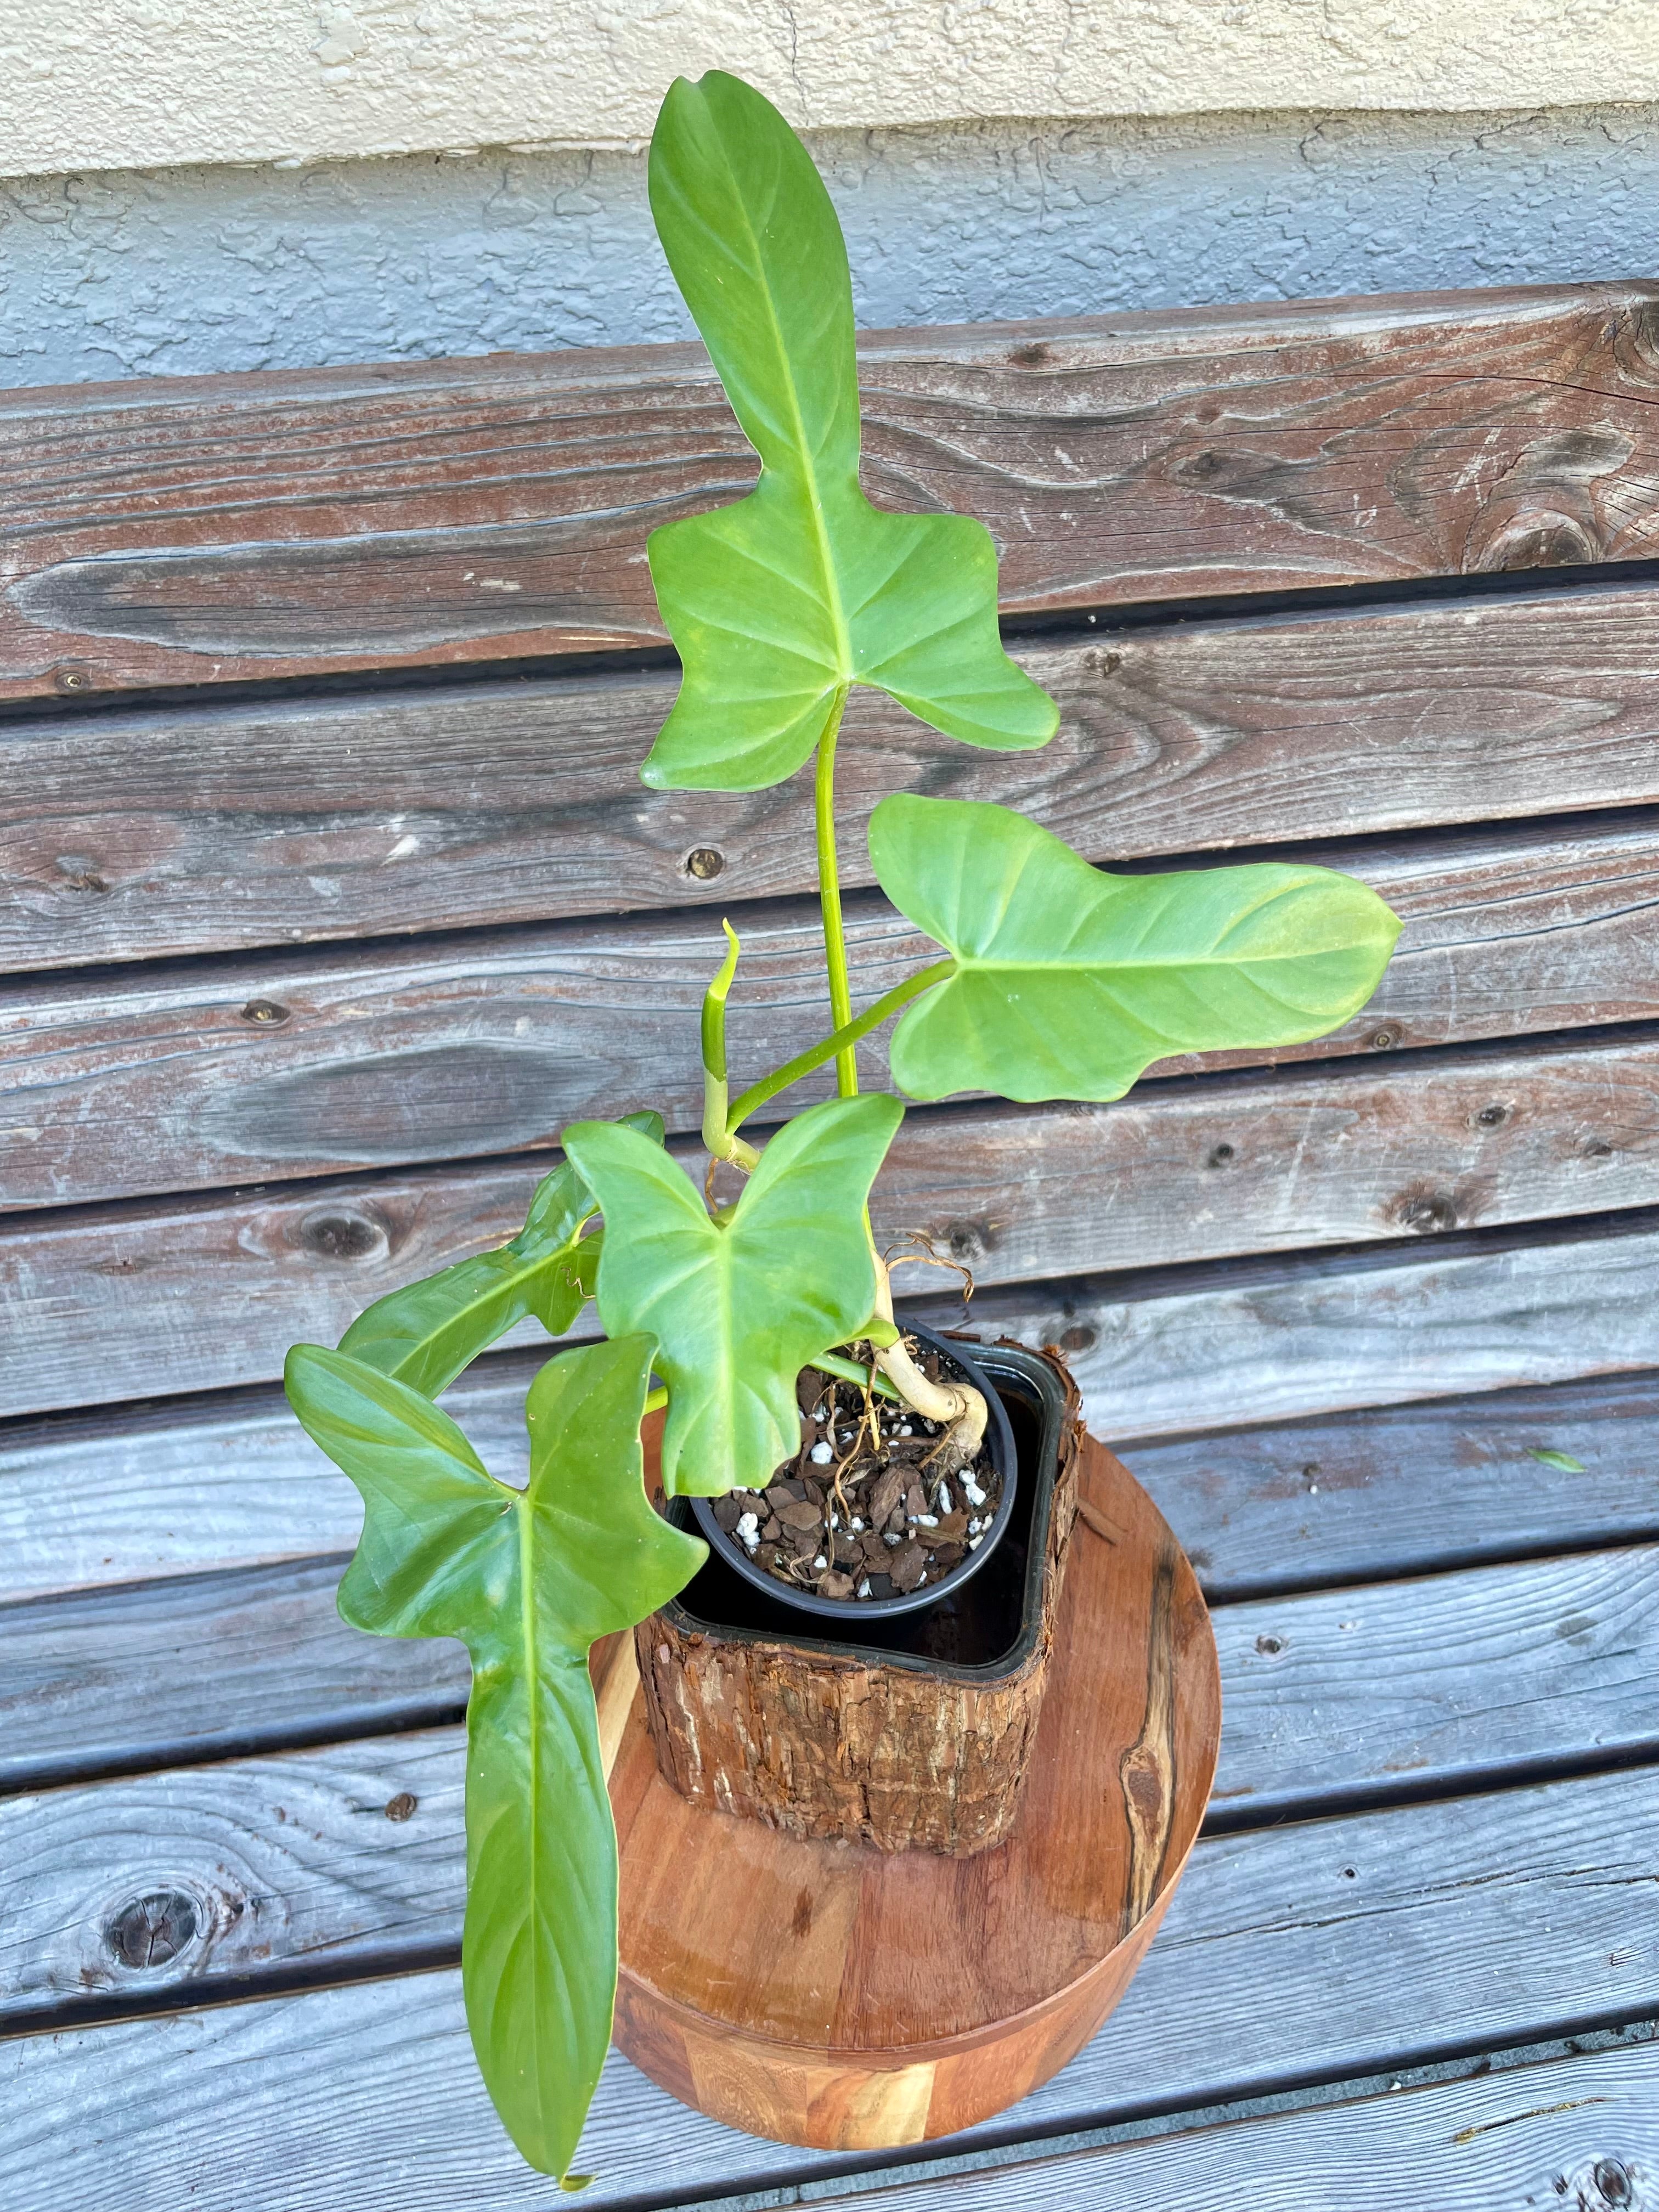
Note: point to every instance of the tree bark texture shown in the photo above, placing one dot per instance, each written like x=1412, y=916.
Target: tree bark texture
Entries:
x=822, y=1744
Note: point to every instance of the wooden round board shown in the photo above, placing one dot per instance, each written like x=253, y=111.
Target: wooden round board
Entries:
x=828, y=1995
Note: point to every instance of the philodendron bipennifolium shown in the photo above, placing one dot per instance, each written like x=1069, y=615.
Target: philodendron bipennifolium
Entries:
x=1054, y=981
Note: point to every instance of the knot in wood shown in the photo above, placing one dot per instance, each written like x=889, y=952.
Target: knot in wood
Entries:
x=705, y=863
x=1426, y=1212
x=401, y=1807
x=1611, y=2177
x=152, y=1930
x=1081, y=1336
x=264, y=1013
x=341, y=1236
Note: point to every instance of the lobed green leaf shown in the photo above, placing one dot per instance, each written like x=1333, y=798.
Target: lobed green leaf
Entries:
x=781, y=602
x=738, y=1306
x=528, y=1580
x=1071, y=982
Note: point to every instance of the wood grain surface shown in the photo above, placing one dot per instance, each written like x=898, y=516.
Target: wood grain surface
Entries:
x=208, y=826
x=1393, y=1688
x=1263, y=1512
x=1178, y=1173
x=1265, y=1973
x=128, y=1082
x=1583, y=2130
x=191, y=1667
x=198, y=530
x=186, y=1488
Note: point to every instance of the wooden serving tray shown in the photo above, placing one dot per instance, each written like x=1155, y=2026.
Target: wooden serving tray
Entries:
x=830, y=1994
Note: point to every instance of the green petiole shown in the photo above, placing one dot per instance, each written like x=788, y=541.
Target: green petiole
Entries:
x=837, y=1046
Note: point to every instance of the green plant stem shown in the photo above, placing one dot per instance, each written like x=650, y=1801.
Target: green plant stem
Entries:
x=654, y=1400
x=835, y=937
x=848, y=1370
x=839, y=1045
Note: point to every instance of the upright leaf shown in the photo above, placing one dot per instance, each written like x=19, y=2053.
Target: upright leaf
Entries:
x=1070, y=982
x=427, y=1332
x=528, y=1580
x=778, y=603
x=739, y=1306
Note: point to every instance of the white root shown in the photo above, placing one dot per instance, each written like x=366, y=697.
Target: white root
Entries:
x=958, y=1407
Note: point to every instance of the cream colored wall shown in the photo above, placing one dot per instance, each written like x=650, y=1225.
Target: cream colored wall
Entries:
x=101, y=84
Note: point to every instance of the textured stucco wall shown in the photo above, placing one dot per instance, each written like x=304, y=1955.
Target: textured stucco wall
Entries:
x=104, y=276
x=106, y=83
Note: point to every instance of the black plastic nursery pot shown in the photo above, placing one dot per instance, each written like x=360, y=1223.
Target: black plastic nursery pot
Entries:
x=999, y=1440
x=813, y=1723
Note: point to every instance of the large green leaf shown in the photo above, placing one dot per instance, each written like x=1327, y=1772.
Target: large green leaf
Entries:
x=528, y=1580
x=738, y=1306
x=780, y=602
x=428, y=1331
x=1070, y=982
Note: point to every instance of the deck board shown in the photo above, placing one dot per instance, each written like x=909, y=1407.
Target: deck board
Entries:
x=1580, y=2130
x=1502, y=1918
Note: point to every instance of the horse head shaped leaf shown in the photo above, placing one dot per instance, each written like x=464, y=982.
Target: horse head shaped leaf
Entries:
x=781, y=603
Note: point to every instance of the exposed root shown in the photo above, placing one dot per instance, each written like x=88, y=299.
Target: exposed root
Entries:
x=957, y=1407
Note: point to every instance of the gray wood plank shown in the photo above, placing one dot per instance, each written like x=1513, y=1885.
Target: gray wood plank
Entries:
x=1393, y=1490
x=105, y=1303
x=192, y=829
x=204, y=1667
x=201, y=529
x=1582, y=2131
x=1329, y=1696
x=1505, y=1918
x=135, y=1082
x=87, y=1501
x=1261, y=1341
x=1338, y=1695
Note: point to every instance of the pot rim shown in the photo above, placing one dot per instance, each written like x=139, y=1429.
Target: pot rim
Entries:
x=1000, y=1435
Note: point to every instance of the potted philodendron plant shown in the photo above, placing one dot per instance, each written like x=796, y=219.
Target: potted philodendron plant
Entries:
x=827, y=1447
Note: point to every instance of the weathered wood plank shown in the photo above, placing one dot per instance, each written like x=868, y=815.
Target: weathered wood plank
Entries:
x=204, y=1667
x=1184, y=1172
x=190, y=1488
x=1262, y=1341
x=1395, y=1490
x=1582, y=2130
x=202, y=529
x=1329, y=1696
x=1265, y=1972
x=1335, y=1695
x=200, y=828
x=214, y=1488
x=299, y=1064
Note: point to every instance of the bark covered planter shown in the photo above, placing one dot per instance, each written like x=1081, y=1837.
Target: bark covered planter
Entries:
x=904, y=1733
x=801, y=1972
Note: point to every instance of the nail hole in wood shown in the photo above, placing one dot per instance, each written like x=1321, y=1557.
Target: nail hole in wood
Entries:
x=1270, y=1646
x=1384, y=1040
x=152, y=1930
x=1492, y=1117
x=1219, y=1156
